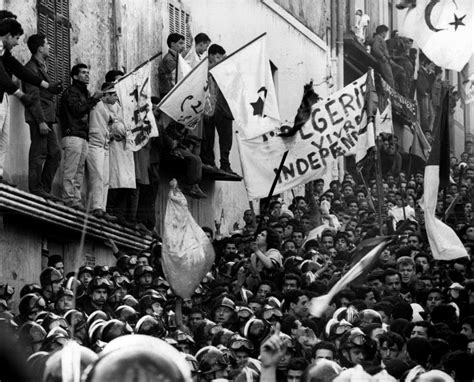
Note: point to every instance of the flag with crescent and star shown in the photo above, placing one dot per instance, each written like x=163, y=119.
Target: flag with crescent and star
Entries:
x=443, y=29
x=245, y=79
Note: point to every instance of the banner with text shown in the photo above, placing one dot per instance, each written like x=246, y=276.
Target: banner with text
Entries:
x=185, y=102
x=331, y=132
x=134, y=93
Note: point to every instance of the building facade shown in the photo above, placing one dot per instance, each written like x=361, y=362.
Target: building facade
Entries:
x=121, y=34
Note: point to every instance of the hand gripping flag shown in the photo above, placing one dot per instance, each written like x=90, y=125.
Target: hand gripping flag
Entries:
x=245, y=80
x=443, y=29
x=134, y=93
x=444, y=243
x=185, y=102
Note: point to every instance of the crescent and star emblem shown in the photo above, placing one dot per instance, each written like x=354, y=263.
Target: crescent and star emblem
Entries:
x=458, y=21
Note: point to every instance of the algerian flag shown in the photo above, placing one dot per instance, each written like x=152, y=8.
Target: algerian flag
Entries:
x=245, y=79
x=443, y=29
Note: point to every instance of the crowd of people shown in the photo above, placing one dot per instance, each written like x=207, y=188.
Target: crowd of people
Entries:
x=408, y=318
x=411, y=317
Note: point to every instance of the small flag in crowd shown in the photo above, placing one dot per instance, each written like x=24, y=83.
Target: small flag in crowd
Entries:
x=245, y=79
x=185, y=102
x=367, y=129
x=443, y=29
x=319, y=305
x=420, y=146
x=134, y=93
x=383, y=120
x=444, y=243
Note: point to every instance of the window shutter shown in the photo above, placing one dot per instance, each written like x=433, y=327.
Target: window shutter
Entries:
x=178, y=21
x=53, y=22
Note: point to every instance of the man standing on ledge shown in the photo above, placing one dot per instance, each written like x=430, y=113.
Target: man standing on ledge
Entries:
x=10, y=32
x=45, y=153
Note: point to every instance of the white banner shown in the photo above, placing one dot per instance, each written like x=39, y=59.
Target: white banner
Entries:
x=332, y=131
x=185, y=102
x=134, y=93
x=245, y=80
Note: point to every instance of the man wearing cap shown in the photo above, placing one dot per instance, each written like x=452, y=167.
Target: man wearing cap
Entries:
x=152, y=303
x=101, y=119
x=143, y=276
x=96, y=298
x=224, y=312
x=64, y=301
x=50, y=280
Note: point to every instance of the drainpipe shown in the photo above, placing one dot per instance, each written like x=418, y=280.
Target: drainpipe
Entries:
x=340, y=4
x=116, y=34
x=340, y=43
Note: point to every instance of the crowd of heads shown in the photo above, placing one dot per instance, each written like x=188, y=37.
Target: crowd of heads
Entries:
x=409, y=314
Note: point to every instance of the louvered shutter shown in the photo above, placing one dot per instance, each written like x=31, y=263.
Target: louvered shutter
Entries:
x=178, y=21
x=53, y=22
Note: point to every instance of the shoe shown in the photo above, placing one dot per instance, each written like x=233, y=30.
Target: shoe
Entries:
x=228, y=170
x=125, y=223
x=78, y=207
x=98, y=213
x=3, y=181
x=46, y=195
x=110, y=218
x=140, y=227
x=196, y=193
x=209, y=167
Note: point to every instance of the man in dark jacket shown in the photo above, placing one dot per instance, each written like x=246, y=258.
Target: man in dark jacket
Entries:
x=10, y=32
x=76, y=104
x=217, y=116
x=45, y=153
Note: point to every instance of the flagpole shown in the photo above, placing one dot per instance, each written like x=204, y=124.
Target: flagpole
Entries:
x=378, y=164
x=272, y=189
x=138, y=67
x=182, y=80
x=238, y=50
x=378, y=177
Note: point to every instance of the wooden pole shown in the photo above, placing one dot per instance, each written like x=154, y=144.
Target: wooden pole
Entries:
x=272, y=189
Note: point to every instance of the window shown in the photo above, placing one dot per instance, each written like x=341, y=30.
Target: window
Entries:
x=53, y=22
x=178, y=21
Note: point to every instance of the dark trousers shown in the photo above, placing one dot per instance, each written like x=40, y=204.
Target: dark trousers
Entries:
x=43, y=159
x=188, y=165
x=146, y=211
x=123, y=202
x=224, y=129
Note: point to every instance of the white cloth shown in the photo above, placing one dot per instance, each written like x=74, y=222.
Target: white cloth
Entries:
x=397, y=213
x=98, y=176
x=4, y=130
x=122, y=164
